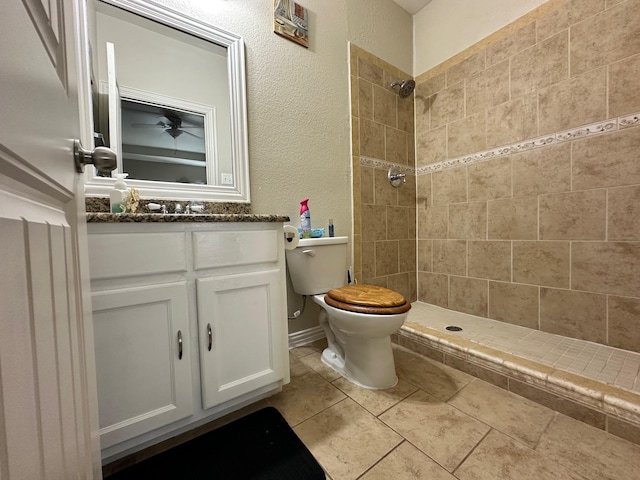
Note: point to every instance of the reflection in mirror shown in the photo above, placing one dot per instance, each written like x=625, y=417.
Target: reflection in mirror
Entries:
x=161, y=143
x=169, y=98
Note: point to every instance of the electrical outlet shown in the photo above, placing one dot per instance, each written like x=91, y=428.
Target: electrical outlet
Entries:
x=227, y=179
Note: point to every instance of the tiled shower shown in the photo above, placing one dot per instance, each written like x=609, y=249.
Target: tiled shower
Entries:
x=527, y=166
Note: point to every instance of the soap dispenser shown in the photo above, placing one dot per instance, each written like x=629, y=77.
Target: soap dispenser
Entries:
x=119, y=193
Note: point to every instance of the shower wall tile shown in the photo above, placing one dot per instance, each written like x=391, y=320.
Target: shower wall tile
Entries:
x=606, y=267
x=513, y=219
x=384, y=107
x=413, y=228
x=543, y=170
x=624, y=213
x=386, y=258
x=512, y=121
x=450, y=257
x=432, y=146
x=469, y=295
x=466, y=68
x=544, y=64
x=432, y=85
x=407, y=255
x=374, y=222
x=447, y=105
x=371, y=139
x=559, y=215
x=355, y=135
x=425, y=249
x=468, y=135
x=423, y=114
x=433, y=222
x=405, y=111
x=365, y=99
x=384, y=217
x=624, y=322
x=407, y=194
x=569, y=13
x=490, y=180
x=423, y=194
x=617, y=31
x=449, y=186
x=563, y=105
x=573, y=216
x=541, y=263
x=624, y=86
x=514, y=303
x=607, y=161
x=433, y=288
x=468, y=220
x=489, y=259
x=355, y=94
x=384, y=192
x=366, y=184
x=396, y=146
x=368, y=258
x=488, y=88
x=370, y=72
x=573, y=314
x=397, y=223
x=508, y=46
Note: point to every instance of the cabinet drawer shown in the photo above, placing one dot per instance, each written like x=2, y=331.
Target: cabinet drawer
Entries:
x=223, y=249
x=128, y=254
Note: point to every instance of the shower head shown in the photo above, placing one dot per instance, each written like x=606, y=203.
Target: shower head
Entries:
x=406, y=87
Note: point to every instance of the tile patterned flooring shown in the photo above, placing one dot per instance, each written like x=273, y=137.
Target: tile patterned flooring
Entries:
x=440, y=424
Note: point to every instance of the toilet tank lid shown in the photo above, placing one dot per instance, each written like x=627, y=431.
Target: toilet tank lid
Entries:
x=314, y=242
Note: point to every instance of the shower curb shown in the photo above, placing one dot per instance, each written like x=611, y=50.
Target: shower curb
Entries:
x=615, y=403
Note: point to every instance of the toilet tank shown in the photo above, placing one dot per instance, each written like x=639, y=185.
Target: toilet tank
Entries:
x=317, y=265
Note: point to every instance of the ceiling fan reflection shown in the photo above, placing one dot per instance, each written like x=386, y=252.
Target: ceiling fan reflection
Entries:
x=173, y=127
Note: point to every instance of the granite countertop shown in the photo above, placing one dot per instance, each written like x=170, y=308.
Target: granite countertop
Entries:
x=103, y=217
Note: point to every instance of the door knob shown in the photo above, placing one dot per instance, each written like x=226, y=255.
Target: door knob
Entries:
x=103, y=158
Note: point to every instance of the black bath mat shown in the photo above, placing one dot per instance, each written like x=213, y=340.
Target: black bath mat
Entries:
x=260, y=446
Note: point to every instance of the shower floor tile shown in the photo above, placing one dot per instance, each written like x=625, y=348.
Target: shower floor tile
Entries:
x=605, y=364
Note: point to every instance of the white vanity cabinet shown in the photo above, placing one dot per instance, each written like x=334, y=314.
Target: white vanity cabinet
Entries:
x=190, y=324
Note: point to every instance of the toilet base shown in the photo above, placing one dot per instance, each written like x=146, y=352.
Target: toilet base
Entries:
x=368, y=363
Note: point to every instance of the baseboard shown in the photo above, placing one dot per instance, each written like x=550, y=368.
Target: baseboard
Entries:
x=297, y=339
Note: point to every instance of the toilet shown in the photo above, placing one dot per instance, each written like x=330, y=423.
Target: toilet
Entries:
x=357, y=319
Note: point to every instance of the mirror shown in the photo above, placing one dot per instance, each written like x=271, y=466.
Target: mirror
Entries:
x=170, y=98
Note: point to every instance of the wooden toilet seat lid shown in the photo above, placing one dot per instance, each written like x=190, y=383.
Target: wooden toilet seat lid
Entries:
x=367, y=299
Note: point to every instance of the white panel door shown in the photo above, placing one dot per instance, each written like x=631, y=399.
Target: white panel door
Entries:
x=48, y=414
x=142, y=359
x=241, y=338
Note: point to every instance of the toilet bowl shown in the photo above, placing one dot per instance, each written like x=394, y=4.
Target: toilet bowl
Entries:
x=358, y=320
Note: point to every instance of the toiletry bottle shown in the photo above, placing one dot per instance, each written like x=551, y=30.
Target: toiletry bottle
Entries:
x=331, y=227
x=305, y=219
x=119, y=193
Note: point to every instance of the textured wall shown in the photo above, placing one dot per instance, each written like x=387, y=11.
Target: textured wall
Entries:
x=383, y=136
x=298, y=102
x=528, y=179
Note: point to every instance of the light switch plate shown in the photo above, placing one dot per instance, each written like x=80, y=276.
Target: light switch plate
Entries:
x=227, y=178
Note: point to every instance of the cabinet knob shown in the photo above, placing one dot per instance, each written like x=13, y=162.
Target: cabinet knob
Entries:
x=210, y=336
x=179, y=345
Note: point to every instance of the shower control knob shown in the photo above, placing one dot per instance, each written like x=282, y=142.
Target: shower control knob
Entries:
x=395, y=177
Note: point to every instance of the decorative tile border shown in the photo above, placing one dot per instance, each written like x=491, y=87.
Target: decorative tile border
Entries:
x=584, y=131
x=383, y=164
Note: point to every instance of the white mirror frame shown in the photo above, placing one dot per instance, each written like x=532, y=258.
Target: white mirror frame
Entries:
x=96, y=186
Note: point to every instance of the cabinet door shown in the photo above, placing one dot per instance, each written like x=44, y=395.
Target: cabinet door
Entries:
x=144, y=382
x=241, y=334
